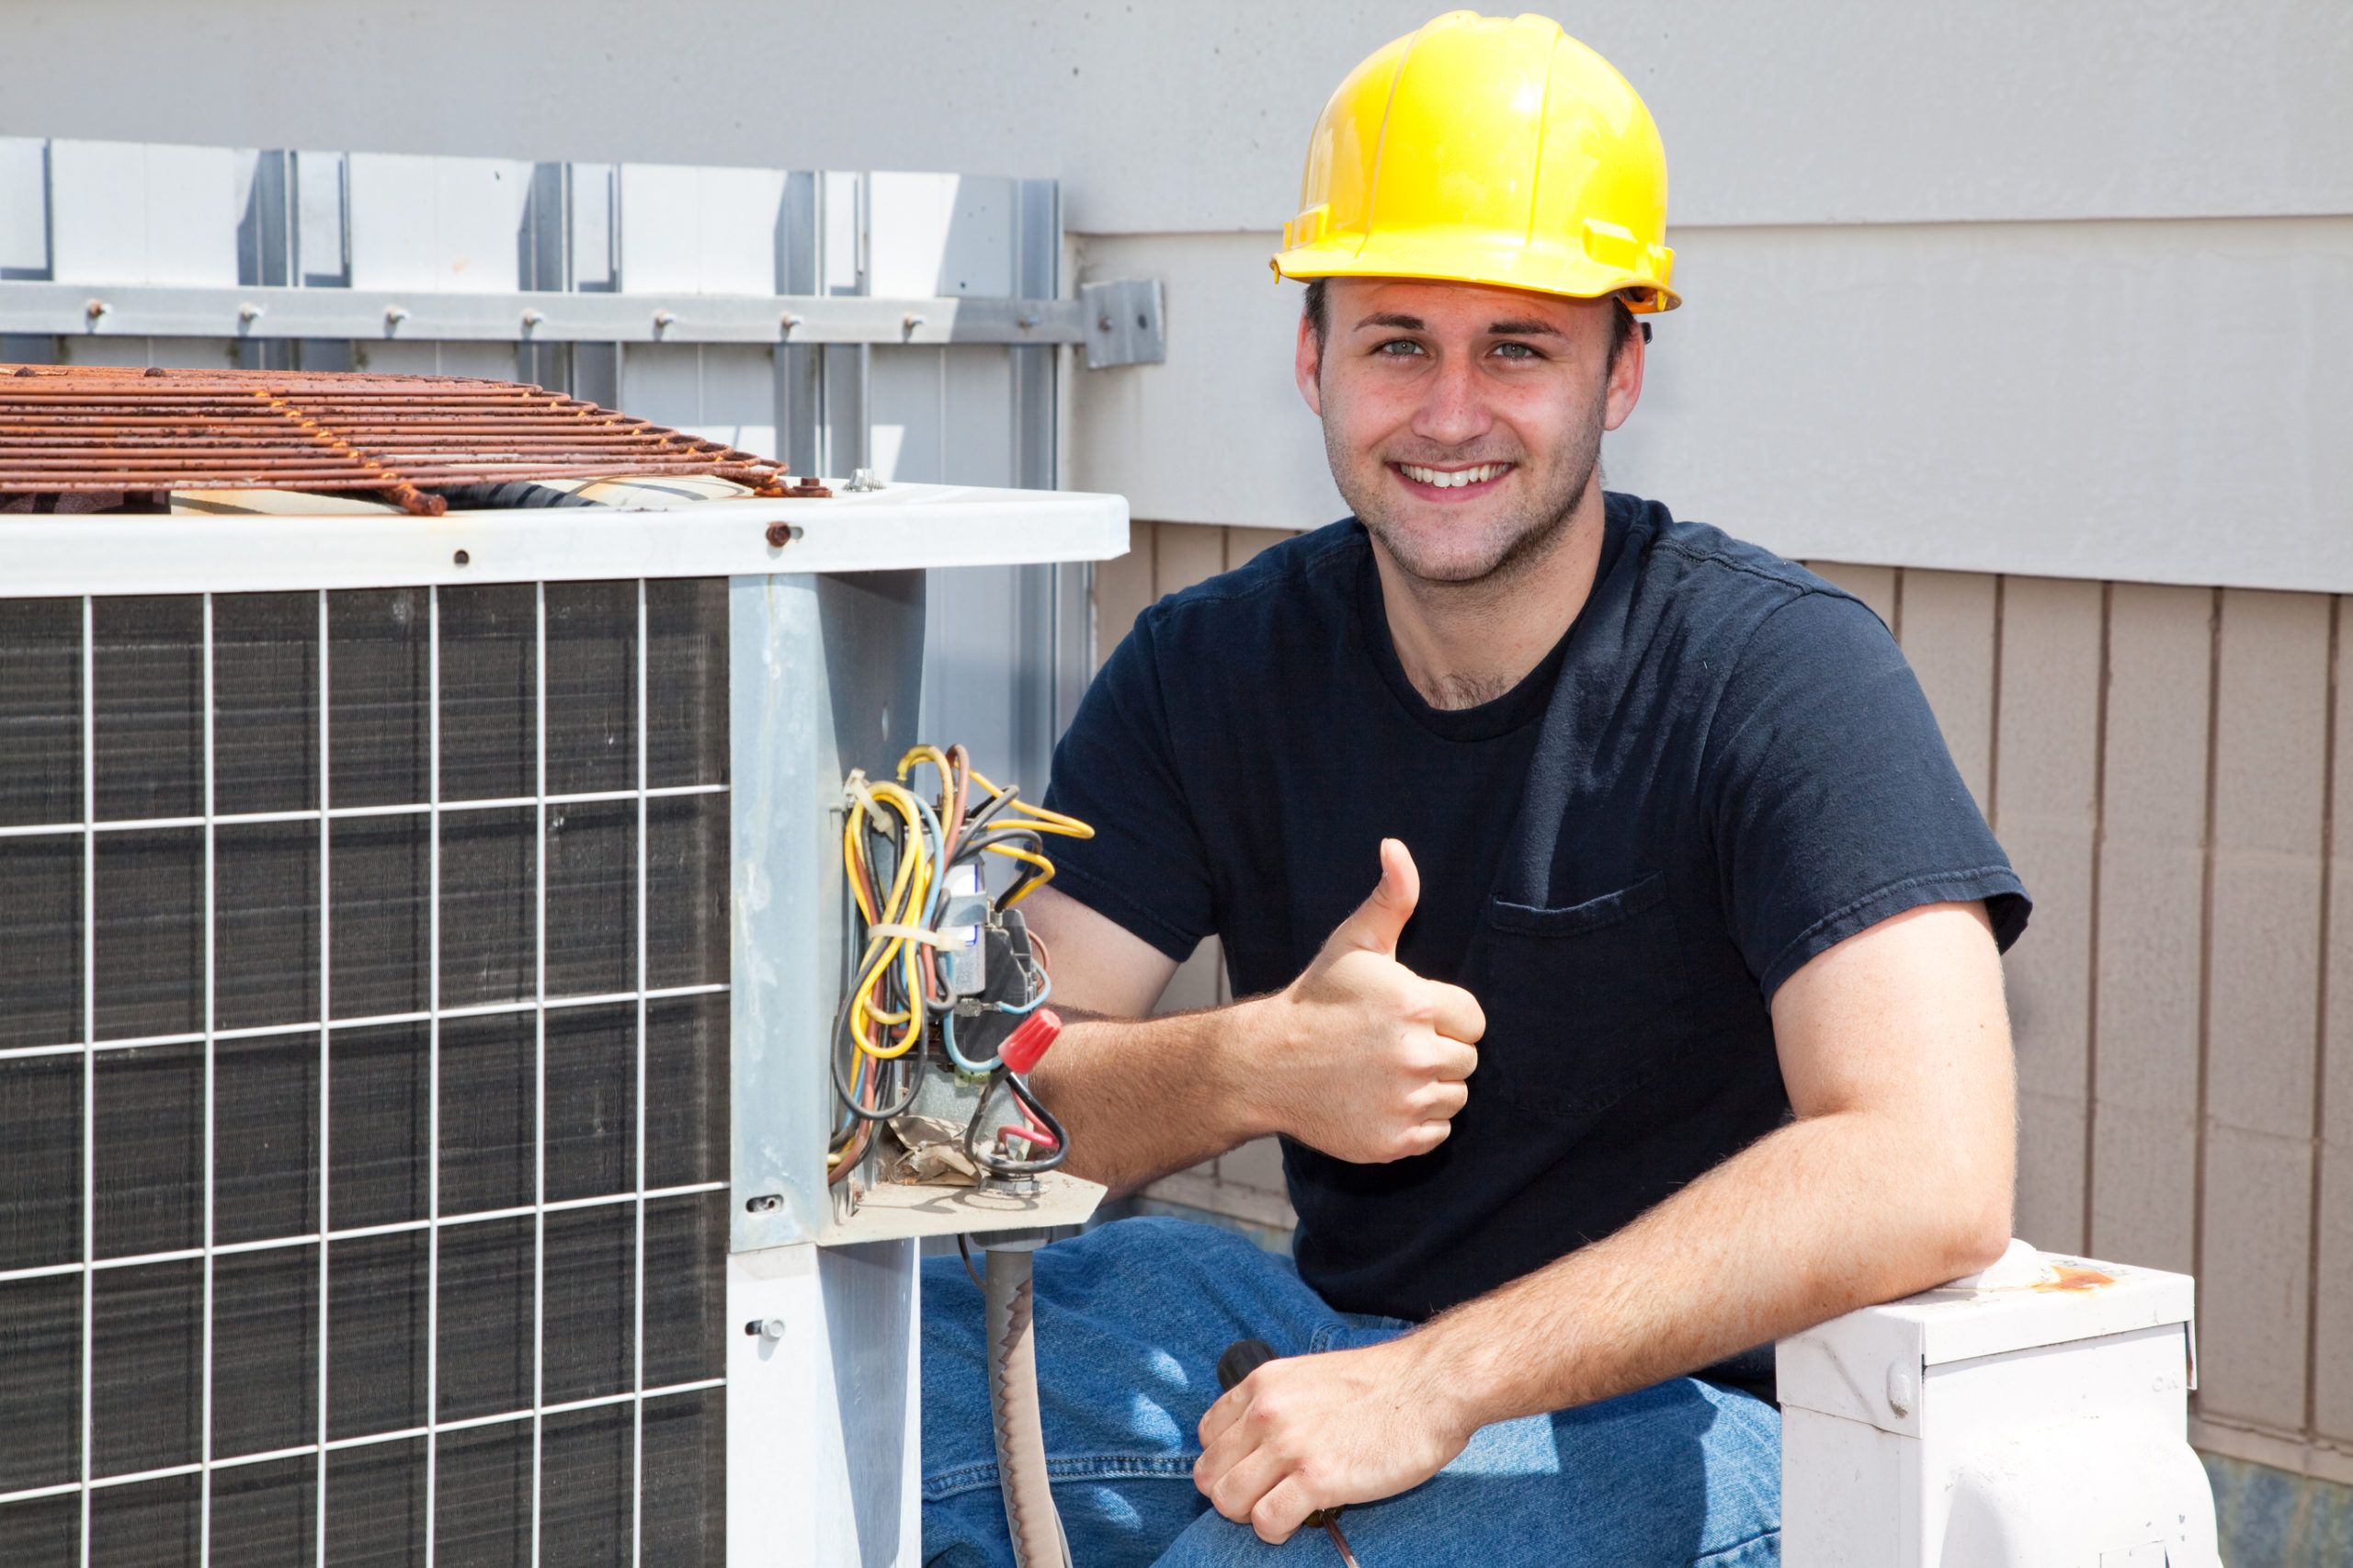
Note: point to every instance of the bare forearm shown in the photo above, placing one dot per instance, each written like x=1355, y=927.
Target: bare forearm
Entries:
x=1819, y=1218
x=1142, y=1097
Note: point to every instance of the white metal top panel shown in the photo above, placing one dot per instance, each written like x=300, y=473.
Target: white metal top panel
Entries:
x=1839, y=1367
x=900, y=525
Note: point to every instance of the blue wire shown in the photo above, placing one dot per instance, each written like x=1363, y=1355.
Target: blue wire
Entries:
x=947, y=1038
x=1045, y=988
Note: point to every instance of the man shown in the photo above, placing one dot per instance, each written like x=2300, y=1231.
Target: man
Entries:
x=1673, y=1022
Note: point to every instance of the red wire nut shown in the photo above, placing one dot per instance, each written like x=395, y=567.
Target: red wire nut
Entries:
x=1026, y=1044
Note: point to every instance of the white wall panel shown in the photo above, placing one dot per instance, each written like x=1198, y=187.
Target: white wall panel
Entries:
x=1219, y=434
x=24, y=207
x=941, y=234
x=596, y=253
x=200, y=353
x=723, y=391
x=738, y=397
x=978, y=388
x=1163, y=117
x=322, y=237
x=444, y=225
x=699, y=230
x=2079, y=399
x=908, y=395
x=129, y=212
x=494, y=360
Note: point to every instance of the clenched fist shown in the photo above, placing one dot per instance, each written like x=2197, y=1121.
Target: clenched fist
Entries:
x=1360, y=1057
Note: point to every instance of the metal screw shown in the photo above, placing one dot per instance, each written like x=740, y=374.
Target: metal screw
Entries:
x=790, y=321
x=1900, y=1389
x=765, y=1328
x=863, y=479
x=249, y=313
x=532, y=319
x=908, y=322
x=395, y=314
x=1103, y=323
x=1024, y=322
x=782, y=534
x=766, y=1203
x=664, y=320
x=96, y=308
x=462, y=558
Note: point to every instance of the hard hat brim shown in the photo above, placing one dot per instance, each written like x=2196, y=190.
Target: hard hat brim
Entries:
x=1495, y=261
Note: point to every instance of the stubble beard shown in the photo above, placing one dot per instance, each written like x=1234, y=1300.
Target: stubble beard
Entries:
x=1514, y=540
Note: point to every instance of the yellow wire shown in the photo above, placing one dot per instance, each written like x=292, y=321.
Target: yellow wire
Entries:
x=910, y=889
x=1015, y=852
x=1044, y=819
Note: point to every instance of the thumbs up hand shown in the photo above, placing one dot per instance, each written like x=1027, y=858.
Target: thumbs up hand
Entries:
x=1363, y=1059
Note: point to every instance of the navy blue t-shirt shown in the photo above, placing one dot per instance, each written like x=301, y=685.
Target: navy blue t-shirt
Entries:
x=1725, y=767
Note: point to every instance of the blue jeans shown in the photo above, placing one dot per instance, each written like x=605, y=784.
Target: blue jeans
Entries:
x=1131, y=1319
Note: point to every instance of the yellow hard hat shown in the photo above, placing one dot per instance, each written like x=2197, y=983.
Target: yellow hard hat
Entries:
x=1484, y=151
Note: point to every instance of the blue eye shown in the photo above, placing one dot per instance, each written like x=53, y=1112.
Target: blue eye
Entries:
x=1517, y=351
x=1399, y=347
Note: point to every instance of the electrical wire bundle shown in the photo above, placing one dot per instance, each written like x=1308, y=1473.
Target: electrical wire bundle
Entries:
x=903, y=856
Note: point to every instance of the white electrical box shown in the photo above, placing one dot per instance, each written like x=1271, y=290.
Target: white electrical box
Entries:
x=2032, y=1417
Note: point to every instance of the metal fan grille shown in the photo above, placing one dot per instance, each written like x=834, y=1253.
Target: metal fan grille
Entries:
x=363, y=1077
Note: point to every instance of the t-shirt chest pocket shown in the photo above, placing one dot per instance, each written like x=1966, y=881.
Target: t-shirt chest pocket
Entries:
x=1584, y=1000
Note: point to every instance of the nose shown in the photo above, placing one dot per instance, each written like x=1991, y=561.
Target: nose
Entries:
x=1452, y=412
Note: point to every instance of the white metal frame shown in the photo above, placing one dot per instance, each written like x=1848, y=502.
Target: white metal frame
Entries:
x=939, y=525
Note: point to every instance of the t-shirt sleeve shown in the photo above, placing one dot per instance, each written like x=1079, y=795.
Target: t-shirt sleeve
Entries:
x=1115, y=769
x=1837, y=803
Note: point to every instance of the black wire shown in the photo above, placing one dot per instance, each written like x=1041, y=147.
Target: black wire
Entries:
x=965, y=1246
x=904, y=1075
x=971, y=845
x=995, y=1165
x=1060, y=1151
x=980, y=816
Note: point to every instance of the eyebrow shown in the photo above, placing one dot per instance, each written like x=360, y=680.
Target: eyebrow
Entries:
x=1402, y=323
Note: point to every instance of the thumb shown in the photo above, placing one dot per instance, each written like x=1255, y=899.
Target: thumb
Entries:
x=1380, y=918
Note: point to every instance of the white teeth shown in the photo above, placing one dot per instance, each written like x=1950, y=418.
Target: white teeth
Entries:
x=1444, y=479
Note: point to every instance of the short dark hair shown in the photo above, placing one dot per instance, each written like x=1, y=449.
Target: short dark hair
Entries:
x=1318, y=312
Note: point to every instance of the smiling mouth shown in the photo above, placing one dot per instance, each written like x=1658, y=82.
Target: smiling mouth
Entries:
x=1476, y=476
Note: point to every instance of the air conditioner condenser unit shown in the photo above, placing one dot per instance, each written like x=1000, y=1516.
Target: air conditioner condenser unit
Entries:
x=419, y=941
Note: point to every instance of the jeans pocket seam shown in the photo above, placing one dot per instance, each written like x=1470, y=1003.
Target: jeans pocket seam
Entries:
x=1081, y=1467
x=1770, y=1531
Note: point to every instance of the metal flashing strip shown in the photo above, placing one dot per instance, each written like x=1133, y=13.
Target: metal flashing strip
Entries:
x=80, y=310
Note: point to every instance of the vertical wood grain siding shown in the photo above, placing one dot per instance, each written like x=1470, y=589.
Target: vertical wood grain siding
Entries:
x=2167, y=766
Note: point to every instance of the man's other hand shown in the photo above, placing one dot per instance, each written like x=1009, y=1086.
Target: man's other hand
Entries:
x=1362, y=1058
x=1310, y=1432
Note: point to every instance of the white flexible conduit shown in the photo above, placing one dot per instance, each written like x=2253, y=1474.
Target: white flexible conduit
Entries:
x=1030, y=1513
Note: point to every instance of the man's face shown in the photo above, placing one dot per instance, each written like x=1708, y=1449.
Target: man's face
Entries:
x=1463, y=423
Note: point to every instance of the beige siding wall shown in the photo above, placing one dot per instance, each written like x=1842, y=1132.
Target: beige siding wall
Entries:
x=2161, y=765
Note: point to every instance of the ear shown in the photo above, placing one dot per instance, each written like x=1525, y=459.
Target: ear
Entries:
x=1624, y=388
x=1307, y=366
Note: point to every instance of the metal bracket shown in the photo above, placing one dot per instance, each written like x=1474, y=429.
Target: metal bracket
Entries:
x=1123, y=323
x=150, y=309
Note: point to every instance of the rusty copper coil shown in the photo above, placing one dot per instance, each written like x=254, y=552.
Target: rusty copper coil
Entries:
x=92, y=430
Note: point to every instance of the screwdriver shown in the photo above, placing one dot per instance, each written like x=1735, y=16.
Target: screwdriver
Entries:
x=1242, y=1358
